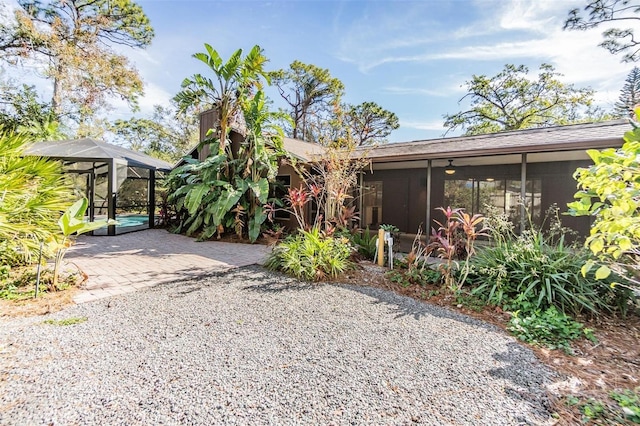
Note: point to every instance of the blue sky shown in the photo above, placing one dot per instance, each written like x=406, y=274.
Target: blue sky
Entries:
x=410, y=57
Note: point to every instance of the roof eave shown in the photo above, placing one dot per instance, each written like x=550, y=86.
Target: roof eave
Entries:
x=484, y=152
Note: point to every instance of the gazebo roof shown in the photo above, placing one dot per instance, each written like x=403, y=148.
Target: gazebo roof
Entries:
x=93, y=150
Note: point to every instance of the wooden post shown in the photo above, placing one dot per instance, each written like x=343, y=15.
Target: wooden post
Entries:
x=380, y=247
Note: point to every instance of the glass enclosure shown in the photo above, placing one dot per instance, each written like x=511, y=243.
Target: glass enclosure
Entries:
x=133, y=187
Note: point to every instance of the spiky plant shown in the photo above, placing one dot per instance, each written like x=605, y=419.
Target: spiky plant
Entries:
x=33, y=194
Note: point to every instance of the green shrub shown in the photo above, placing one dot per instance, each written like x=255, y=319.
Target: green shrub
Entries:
x=412, y=275
x=365, y=243
x=629, y=401
x=529, y=272
x=33, y=193
x=311, y=256
x=549, y=328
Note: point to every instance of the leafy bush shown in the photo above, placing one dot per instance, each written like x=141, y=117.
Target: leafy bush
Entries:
x=415, y=276
x=529, y=272
x=609, y=193
x=365, y=243
x=311, y=256
x=33, y=192
x=549, y=328
x=629, y=401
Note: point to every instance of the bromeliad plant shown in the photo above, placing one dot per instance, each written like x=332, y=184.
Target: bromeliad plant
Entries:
x=455, y=237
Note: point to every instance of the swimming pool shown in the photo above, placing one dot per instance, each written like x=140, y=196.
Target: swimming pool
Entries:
x=126, y=223
x=132, y=220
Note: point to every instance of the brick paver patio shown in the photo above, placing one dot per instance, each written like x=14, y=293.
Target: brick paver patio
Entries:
x=124, y=263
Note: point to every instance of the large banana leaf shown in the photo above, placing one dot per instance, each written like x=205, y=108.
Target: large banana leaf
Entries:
x=260, y=189
x=196, y=223
x=223, y=205
x=72, y=221
x=255, y=223
x=193, y=198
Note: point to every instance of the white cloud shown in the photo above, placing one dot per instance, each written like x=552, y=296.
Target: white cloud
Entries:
x=398, y=90
x=153, y=95
x=532, y=30
x=423, y=125
x=516, y=31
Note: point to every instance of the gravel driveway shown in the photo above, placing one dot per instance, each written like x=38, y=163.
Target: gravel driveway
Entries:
x=249, y=347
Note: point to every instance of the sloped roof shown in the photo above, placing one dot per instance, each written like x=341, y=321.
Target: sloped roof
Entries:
x=549, y=139
x=93, y=150
x=304, y=151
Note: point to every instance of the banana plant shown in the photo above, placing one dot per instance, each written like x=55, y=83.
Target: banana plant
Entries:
x=228, y=190
x=236, y=79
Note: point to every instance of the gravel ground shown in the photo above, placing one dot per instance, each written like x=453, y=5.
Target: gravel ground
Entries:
x=250, y=347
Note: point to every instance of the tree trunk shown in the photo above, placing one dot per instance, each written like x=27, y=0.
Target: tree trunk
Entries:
x=56, y=104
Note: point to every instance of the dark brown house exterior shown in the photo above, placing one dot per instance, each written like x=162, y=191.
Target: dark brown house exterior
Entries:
x=303, y=153
x=409, y=181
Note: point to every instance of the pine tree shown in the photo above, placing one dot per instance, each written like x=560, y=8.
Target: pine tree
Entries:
x=629, y=95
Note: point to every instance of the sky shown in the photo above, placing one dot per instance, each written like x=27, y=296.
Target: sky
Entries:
x=410, y=57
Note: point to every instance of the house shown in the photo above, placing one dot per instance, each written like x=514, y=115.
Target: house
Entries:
x=300, y=152
x=410, y=180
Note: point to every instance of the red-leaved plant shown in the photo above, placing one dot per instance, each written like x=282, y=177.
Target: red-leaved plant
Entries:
x=458, y=230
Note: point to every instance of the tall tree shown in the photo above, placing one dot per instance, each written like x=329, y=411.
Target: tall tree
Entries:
x=350, y=126
x=369, y=123
x=74, y=40
x=311, y=92
x=167, y=134
x=21, y=109
x=629, y=95
x=510, y=100
x=616, y=40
